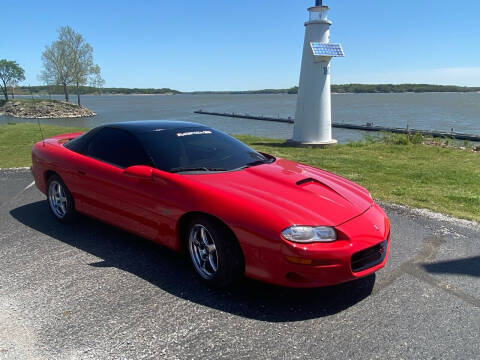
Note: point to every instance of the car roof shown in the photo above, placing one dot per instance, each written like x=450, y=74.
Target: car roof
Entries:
x=144, y=126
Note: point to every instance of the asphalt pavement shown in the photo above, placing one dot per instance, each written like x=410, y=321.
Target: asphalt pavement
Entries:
x=90, y=291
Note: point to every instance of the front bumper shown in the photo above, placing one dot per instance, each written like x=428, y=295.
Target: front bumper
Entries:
x=361, y=249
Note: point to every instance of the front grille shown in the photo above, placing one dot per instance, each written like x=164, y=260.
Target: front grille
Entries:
x=369, y=257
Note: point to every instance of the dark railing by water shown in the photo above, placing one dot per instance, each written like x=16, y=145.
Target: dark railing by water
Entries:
x=366, y=127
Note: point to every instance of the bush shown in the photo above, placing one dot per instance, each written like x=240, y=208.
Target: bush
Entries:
x=401, y=139
x=416, y=138
x=395, y=139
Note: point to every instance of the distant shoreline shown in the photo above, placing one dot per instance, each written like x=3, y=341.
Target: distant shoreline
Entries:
x=36, y=96
x=336, y=89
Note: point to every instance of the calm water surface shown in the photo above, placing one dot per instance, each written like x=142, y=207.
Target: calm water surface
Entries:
x=438, y=111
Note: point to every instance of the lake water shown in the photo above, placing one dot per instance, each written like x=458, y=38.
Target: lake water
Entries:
x=438, y=111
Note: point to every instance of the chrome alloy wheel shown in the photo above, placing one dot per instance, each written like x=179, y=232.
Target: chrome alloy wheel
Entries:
x=203, y=251
x=57, y=199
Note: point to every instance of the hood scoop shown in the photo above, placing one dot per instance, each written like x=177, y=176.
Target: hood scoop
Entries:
x=313, y=181
x=306, y=181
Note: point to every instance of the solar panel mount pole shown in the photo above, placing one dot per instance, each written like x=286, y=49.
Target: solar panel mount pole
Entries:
x=313, y=118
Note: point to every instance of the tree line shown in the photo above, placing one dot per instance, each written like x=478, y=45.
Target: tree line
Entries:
x=346, y=88
x=90, y=90
x=400, y=88
x=67, y=64
x=292, y=90
x=361, y=88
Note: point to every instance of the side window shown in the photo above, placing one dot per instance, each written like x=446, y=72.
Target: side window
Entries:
x=117, y=147
x=79, y=144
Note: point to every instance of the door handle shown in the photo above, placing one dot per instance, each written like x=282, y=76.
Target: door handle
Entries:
x=81, y=172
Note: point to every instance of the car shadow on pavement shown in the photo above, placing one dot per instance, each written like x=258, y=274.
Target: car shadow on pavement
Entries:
x=468, y=266
x=171, y=272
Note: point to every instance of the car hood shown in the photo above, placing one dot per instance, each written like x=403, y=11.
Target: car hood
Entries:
x=300, y=194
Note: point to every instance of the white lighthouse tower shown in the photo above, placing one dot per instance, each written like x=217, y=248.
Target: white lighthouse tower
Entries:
x=313, y=118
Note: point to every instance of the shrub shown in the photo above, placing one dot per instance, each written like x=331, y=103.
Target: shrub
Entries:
x=395, y=139
x=416, y=138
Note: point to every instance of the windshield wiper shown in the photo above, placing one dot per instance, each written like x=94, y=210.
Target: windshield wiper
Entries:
x=256, y=163
x=201, y=168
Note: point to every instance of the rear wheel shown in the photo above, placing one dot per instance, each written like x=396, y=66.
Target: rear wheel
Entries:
x=60, y=200
x=214, y=252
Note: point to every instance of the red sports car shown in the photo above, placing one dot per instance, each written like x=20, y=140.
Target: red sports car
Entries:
x=235, y=211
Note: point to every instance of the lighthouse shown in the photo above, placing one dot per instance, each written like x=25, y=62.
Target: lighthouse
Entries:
x=313, y=118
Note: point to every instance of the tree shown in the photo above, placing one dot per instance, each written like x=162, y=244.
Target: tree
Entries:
x=96, y=79
x=57, y=65
x=81, y=55
x=49, y=80
x=11, y=74
x=69, y=61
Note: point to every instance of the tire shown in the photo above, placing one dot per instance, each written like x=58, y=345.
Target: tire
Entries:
x=215, y=254
x=60, y=200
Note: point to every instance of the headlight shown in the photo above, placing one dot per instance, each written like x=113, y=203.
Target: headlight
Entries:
x=310, y=234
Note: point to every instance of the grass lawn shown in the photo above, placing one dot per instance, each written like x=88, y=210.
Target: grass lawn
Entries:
x=16, y=141
x=441, y=179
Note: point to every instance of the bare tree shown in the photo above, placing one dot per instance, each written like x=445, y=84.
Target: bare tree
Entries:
x=57, y=65
x=10, y=74
x=49, y=80
x=69, y=61
x=95, y=78
x=81, y=57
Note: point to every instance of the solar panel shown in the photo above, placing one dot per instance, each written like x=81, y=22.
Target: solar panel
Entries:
x=327, y=49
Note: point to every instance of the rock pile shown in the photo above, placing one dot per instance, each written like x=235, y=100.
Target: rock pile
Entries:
x=44, y=109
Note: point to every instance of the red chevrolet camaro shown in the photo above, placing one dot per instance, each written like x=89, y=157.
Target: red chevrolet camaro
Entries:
x=235, y=211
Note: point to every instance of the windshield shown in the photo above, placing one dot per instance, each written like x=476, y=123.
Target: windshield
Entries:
x=199, y=149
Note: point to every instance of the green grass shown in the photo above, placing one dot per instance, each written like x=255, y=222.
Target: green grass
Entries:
x=16, y=141
x=394, y=170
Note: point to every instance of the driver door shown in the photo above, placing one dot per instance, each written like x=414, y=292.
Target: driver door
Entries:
x=106, y=193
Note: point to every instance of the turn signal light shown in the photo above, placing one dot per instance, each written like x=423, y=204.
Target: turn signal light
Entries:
x=300, y=261
x=312, y=262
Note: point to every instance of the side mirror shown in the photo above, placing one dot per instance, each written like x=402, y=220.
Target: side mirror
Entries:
x=139, y=172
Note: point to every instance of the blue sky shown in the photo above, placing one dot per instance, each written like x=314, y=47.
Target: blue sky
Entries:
x=251, y=44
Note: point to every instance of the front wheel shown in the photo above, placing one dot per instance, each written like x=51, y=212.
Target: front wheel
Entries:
x=60, y=200
x=214, y=252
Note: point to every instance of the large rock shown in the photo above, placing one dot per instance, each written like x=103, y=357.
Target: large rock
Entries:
x=44, y=109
